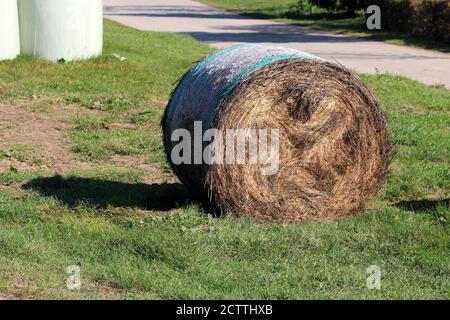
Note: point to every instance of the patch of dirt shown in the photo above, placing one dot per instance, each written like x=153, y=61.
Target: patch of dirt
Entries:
x=154, y=173
x=111, y=290
x=18, y=285
x=407, y=108
x=127, y=126
x=158, y=103
x=44, y=132
x=4, y=296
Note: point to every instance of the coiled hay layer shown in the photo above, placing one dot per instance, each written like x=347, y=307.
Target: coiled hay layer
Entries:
x=333, y=139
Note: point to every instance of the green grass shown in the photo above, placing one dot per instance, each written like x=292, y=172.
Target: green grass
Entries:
x=22, y=153
x=154, y=61
x=288, y=11
x=96, y=138
x=135, y=239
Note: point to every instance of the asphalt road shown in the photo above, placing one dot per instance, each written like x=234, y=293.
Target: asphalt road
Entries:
x=222, y=29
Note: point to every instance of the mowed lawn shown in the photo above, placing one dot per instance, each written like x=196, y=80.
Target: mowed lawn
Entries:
x=83, y=181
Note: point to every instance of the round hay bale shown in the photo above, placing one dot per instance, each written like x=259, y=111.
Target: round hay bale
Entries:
x=333, y=143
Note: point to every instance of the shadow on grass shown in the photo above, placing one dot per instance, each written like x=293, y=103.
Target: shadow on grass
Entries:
x=436, y=210
x=422, y=205
x=103, y=193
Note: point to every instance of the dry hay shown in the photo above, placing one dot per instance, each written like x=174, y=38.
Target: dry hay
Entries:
x=334, y=144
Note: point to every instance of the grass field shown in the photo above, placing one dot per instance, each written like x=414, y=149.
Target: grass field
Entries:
x=288, y=11
x=83, y=181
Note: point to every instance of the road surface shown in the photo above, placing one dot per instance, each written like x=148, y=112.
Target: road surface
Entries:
x=222, y=29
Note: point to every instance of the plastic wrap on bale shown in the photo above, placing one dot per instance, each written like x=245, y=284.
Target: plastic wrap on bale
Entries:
x=9, y=30
x=61, y=30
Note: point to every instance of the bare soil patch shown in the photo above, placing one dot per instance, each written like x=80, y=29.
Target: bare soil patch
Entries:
x=44, y=132
x=153, y=172
x=4, y=296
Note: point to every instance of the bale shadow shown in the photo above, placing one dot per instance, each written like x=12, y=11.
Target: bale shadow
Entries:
x=73, y=191
x=422, y=205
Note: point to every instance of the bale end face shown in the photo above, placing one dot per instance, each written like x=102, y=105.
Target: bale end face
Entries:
x=334, y=143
